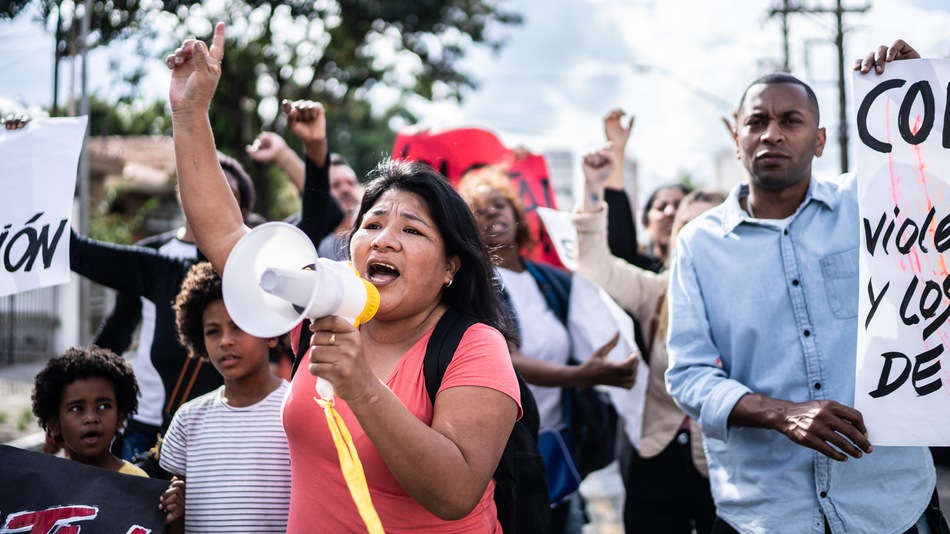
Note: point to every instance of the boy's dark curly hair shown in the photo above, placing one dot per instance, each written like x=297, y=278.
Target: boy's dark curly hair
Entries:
x=201, y=286
x=77, y=364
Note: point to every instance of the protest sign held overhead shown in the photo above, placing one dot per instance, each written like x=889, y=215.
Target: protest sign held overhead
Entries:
x=38, y=165
x=902, y=384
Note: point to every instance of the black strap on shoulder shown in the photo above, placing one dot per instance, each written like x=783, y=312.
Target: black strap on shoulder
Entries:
x=441, y=348
x=303, y=346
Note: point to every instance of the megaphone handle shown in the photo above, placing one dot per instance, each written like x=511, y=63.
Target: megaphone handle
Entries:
x=324, y=389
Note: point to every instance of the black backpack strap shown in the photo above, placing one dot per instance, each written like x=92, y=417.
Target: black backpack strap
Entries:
x=520, y=470
x=303, y=346
x=555, y=286
x=441, y=348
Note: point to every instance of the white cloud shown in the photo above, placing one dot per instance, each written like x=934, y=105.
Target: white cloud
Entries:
x=678, y=65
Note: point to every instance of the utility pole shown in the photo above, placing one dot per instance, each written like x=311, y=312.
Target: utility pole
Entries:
x=788, y=7
x=83, y=178
x=842, y=96
x=783, y=12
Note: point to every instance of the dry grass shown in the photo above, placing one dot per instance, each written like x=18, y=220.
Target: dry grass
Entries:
x=16, y=412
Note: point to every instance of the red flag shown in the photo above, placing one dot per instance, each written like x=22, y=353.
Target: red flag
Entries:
x=452, y=152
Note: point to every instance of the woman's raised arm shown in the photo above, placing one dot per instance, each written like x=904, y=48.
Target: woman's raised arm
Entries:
x=206, y=197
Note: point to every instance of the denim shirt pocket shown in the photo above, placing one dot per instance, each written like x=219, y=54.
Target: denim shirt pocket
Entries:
x=840, y=271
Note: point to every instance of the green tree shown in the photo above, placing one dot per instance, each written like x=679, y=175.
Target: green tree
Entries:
x=110, y=21
x=125, y=117
x=128, y=116
x=687, y=180
x=338, y=52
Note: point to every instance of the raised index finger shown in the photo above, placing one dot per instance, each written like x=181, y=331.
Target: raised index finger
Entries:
x=217, y=42
x=630, y=122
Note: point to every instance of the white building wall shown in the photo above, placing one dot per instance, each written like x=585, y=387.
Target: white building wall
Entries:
x=561, y=165
x=729, y=171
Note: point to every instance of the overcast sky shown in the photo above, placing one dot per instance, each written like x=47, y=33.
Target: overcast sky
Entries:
x=678, y=65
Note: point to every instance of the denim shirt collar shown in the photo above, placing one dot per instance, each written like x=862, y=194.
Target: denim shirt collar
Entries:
x=733, y=214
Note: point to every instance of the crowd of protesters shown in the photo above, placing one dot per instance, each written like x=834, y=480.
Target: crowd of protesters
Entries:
x=746, y=424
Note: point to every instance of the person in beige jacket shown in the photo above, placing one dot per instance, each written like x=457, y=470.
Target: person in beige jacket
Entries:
x=666, y=480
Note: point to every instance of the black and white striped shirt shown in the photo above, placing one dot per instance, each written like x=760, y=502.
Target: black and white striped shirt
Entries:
x=235, y=463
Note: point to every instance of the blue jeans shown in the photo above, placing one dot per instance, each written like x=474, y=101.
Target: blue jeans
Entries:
x=136, y=440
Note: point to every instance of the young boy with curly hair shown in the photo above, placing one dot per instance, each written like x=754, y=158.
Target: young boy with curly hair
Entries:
x=229, y=444
x=81, y=399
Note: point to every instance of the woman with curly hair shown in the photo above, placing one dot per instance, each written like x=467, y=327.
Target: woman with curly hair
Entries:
x=537, y=298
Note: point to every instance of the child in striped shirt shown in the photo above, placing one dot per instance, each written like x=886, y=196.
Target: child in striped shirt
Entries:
x=229, y=444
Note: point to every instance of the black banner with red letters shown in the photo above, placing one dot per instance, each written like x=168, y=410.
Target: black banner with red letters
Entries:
x=43, y=494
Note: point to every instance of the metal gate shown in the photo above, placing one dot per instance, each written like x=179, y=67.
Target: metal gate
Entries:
x=28, y=323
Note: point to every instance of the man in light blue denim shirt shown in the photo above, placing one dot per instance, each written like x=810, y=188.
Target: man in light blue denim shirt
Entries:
x=763, y=335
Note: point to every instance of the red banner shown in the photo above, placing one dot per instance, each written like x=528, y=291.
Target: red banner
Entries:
x=452, y=152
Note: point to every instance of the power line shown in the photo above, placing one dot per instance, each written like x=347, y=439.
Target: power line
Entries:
x=710, y=97
x=788, y=7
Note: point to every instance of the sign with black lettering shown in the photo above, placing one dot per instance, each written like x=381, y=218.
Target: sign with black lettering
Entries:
x=44, y=494
x=902, y=382
x=38, y=166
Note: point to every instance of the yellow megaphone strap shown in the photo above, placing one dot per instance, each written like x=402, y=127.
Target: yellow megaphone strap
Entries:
x=351, y=466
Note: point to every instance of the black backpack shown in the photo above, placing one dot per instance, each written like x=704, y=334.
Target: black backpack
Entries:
x=521, y=488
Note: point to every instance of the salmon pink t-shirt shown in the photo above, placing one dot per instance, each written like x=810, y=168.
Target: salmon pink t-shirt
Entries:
x=320, y=500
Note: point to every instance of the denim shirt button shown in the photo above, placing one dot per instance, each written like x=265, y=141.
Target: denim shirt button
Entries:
x=807, y=333
x=817, y=385
x=795, y=282
x=823, y=494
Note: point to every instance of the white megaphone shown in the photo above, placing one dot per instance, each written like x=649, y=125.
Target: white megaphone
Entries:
x=273, y=280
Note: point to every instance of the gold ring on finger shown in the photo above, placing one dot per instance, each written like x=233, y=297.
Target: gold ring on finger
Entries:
x=332, y=340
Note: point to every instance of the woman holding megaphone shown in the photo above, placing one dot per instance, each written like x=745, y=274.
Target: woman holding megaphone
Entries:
x=426, y=467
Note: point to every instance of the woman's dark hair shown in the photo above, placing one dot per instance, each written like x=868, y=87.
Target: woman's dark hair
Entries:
x=474, y=290
x=200, y=287
x=644, y=217
x=79, y=364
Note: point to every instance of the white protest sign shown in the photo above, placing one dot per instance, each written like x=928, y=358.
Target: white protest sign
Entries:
x=902, y=382
x=593, y=318
x=560, y=228
x=38, y=171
